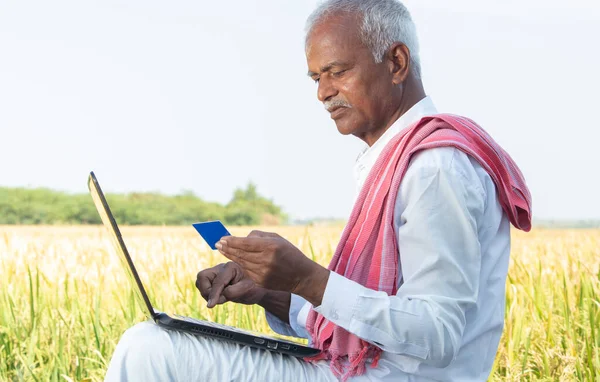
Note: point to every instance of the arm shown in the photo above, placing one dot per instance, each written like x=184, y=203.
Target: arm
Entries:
x=227, y=282
x=439, y=206
x=282, y=313
x=437, y=212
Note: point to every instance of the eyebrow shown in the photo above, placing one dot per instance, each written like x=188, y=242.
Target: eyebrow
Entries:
x=327, y=68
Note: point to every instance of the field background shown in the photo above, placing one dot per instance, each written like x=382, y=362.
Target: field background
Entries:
x=65, y=301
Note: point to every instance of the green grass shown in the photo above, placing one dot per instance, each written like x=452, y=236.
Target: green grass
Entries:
x=64, y=299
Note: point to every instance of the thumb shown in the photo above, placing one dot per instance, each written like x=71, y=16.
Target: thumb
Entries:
x=220, y=282
x=257, y=233
x=238, y=290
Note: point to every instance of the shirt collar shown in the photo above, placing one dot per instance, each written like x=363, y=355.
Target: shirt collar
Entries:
x=368, y=156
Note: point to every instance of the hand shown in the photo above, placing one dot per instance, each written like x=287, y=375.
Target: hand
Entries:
x=276, y=264
x=227, y=282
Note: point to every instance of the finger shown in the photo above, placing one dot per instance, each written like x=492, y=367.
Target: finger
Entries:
x=231, y=253
x=247, y=244
x=242, y=258
x=222, y=300
x=219, y=283
x=257, y=233
x=204, y=282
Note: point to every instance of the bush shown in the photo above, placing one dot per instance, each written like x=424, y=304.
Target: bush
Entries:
x=44, y=206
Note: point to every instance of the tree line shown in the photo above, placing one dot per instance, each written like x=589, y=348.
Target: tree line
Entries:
x=45, y=206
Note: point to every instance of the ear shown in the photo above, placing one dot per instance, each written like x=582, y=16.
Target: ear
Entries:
x=399, y=62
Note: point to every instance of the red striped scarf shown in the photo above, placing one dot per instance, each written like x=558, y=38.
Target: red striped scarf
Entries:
x=368, y=252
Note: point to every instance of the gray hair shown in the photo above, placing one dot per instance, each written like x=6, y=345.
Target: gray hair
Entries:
x=384, y=22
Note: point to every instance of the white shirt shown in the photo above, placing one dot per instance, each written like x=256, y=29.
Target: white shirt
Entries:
x=446, y=319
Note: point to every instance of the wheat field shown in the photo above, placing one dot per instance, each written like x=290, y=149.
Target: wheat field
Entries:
x=65, y=301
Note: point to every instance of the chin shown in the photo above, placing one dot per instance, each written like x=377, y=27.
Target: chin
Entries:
x=345, y=128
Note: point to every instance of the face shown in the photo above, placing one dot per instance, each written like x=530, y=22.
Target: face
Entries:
x=356, y=91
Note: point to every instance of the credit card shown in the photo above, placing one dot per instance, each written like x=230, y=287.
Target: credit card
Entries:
x=211, y=232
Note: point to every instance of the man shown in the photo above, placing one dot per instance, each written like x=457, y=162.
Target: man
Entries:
x=415, y=291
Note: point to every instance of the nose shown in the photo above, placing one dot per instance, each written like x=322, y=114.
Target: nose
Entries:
x=326, y=89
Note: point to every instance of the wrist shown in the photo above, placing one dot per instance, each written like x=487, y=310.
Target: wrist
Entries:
x=277, y=303
x=312, y=287
x=265, y=298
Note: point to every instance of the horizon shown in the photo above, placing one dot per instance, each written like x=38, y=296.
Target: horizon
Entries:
x=537, y=222
x=206, y=98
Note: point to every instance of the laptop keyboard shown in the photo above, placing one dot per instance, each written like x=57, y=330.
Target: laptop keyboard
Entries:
x=225, y=327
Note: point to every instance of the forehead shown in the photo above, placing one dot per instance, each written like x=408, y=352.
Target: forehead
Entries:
x=335, y=38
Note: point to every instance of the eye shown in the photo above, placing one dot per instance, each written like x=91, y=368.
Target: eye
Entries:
x=316, y=80
x=338, y=73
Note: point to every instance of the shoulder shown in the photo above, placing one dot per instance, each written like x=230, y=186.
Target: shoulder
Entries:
x=449, y=161
x=439, y=175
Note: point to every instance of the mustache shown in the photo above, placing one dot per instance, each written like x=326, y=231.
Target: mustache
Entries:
x=335, y=103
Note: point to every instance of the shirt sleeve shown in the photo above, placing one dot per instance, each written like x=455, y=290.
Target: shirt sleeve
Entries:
x=436, y=215
x=294, y=328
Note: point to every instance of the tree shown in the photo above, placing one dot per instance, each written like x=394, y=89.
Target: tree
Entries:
x=247, y=207
x=43, y=206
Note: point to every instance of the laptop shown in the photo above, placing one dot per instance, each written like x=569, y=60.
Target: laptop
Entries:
x=180, y=323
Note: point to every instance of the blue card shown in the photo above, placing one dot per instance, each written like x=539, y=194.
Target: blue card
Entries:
x=212, y=232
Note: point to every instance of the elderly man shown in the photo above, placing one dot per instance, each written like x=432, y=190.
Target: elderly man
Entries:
x=415, y=290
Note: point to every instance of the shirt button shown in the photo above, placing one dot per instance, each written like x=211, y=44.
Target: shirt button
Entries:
x=334, y=315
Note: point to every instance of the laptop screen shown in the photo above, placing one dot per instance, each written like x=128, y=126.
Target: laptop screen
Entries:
x=119, y=244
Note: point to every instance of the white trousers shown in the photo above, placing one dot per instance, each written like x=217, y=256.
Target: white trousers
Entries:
x=148, y=353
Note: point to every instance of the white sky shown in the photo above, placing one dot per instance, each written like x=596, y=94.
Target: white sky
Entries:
x=205, y=96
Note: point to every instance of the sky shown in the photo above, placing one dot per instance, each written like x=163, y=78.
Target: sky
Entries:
x=207, y=96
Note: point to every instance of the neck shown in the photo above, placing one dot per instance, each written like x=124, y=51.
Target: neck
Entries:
x=413, y=93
